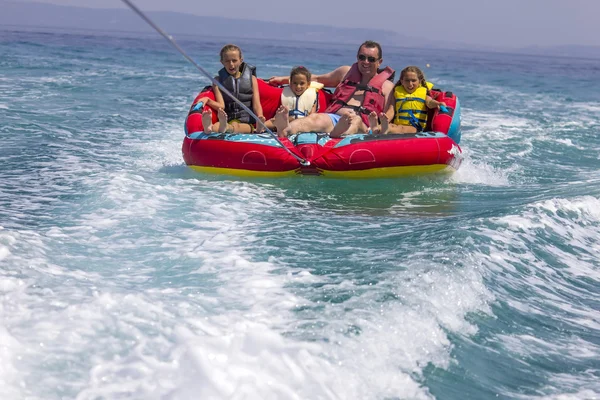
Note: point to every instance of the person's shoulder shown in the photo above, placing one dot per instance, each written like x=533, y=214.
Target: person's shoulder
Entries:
x=341, y=71
x=387, y=85
x=255, y=82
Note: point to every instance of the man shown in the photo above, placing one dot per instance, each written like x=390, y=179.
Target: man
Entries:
x=361, y=89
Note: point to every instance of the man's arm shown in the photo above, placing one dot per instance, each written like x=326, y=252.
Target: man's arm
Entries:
x=330, y=79
x=390, y=101
x=333, y=78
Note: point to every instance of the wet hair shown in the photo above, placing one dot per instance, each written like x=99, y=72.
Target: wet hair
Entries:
x=370, y=44
x=230, y=47
x=300, y=70
x=416, y=70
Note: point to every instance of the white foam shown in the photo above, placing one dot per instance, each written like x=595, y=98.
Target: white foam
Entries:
x=153, y=288
x=12, y=310
x=478, y=172
x=229, y=335
x=215, y=356
x=496, y=121
x=574, y=395
x=546, y=251
x=10, y=377
x=585, y=386
x=569, y=143
x=4, y=252
x=572, y=222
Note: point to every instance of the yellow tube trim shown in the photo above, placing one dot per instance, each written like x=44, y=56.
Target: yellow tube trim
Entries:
x=389, y=172
x=243, y=172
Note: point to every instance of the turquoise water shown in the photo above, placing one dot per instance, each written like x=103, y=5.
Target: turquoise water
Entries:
x=123, y=274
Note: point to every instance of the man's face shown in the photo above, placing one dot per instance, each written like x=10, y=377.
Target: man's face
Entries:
x=368, y=60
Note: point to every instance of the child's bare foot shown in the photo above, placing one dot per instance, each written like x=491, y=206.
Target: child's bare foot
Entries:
x=342, y=126
x=260, y=128
x=385, y=124
x=373, y=122
x=207, y=121
x=222, y=120
x=282, y=122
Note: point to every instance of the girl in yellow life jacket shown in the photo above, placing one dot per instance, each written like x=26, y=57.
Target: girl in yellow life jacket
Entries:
x=409, y=104
x=300, y=97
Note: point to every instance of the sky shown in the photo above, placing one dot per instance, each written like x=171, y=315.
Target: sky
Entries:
x=499, y=23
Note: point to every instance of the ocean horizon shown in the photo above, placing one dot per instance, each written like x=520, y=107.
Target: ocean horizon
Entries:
x=39, y=16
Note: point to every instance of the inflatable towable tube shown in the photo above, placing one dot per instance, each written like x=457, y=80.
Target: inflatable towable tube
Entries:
x=355, y=156
x=447, y=119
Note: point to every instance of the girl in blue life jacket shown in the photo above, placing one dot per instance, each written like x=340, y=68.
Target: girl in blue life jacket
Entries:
x=408, y=107
x=240, y=79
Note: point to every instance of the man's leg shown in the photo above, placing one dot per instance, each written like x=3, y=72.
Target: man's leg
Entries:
x=359, y=126
x=342, y=125
x=374, y=123
x=317, y=122
x=349, y=124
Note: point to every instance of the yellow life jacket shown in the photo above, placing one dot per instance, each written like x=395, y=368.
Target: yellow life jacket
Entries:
x=410, y=109
x=300, y=106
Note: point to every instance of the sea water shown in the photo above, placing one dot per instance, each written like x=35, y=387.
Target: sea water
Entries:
x=124, y=274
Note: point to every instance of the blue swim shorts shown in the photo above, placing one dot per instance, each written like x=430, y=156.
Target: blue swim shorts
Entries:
x=334, y=118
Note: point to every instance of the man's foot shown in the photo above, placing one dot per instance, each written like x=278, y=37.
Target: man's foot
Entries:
x=222, y=120
x=385, y=124
x=207, y=121
x=282, y=122
x=373, y=122
x=342, y=126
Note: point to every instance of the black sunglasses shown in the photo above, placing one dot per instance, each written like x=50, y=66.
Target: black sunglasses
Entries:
x=371, y=59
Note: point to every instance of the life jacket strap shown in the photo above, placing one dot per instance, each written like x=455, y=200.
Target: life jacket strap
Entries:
x=410, y=99
x=414, y=121
x=358, y=109
x=359, y=86
x=296, y=113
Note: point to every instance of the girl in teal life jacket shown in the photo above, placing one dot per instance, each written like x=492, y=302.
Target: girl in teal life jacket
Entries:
x=408, y=107
x=240, y=79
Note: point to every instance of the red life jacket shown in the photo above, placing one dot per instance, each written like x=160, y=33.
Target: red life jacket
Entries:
x=373, y=98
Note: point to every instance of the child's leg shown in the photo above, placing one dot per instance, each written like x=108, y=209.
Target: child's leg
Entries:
x=401, y=129
x=282, y=121
x=222, y=120
x=240, y=127
x=386, y=127
x=207, y=121
x=373, y=123
x=271, y=124
x=385, y=124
